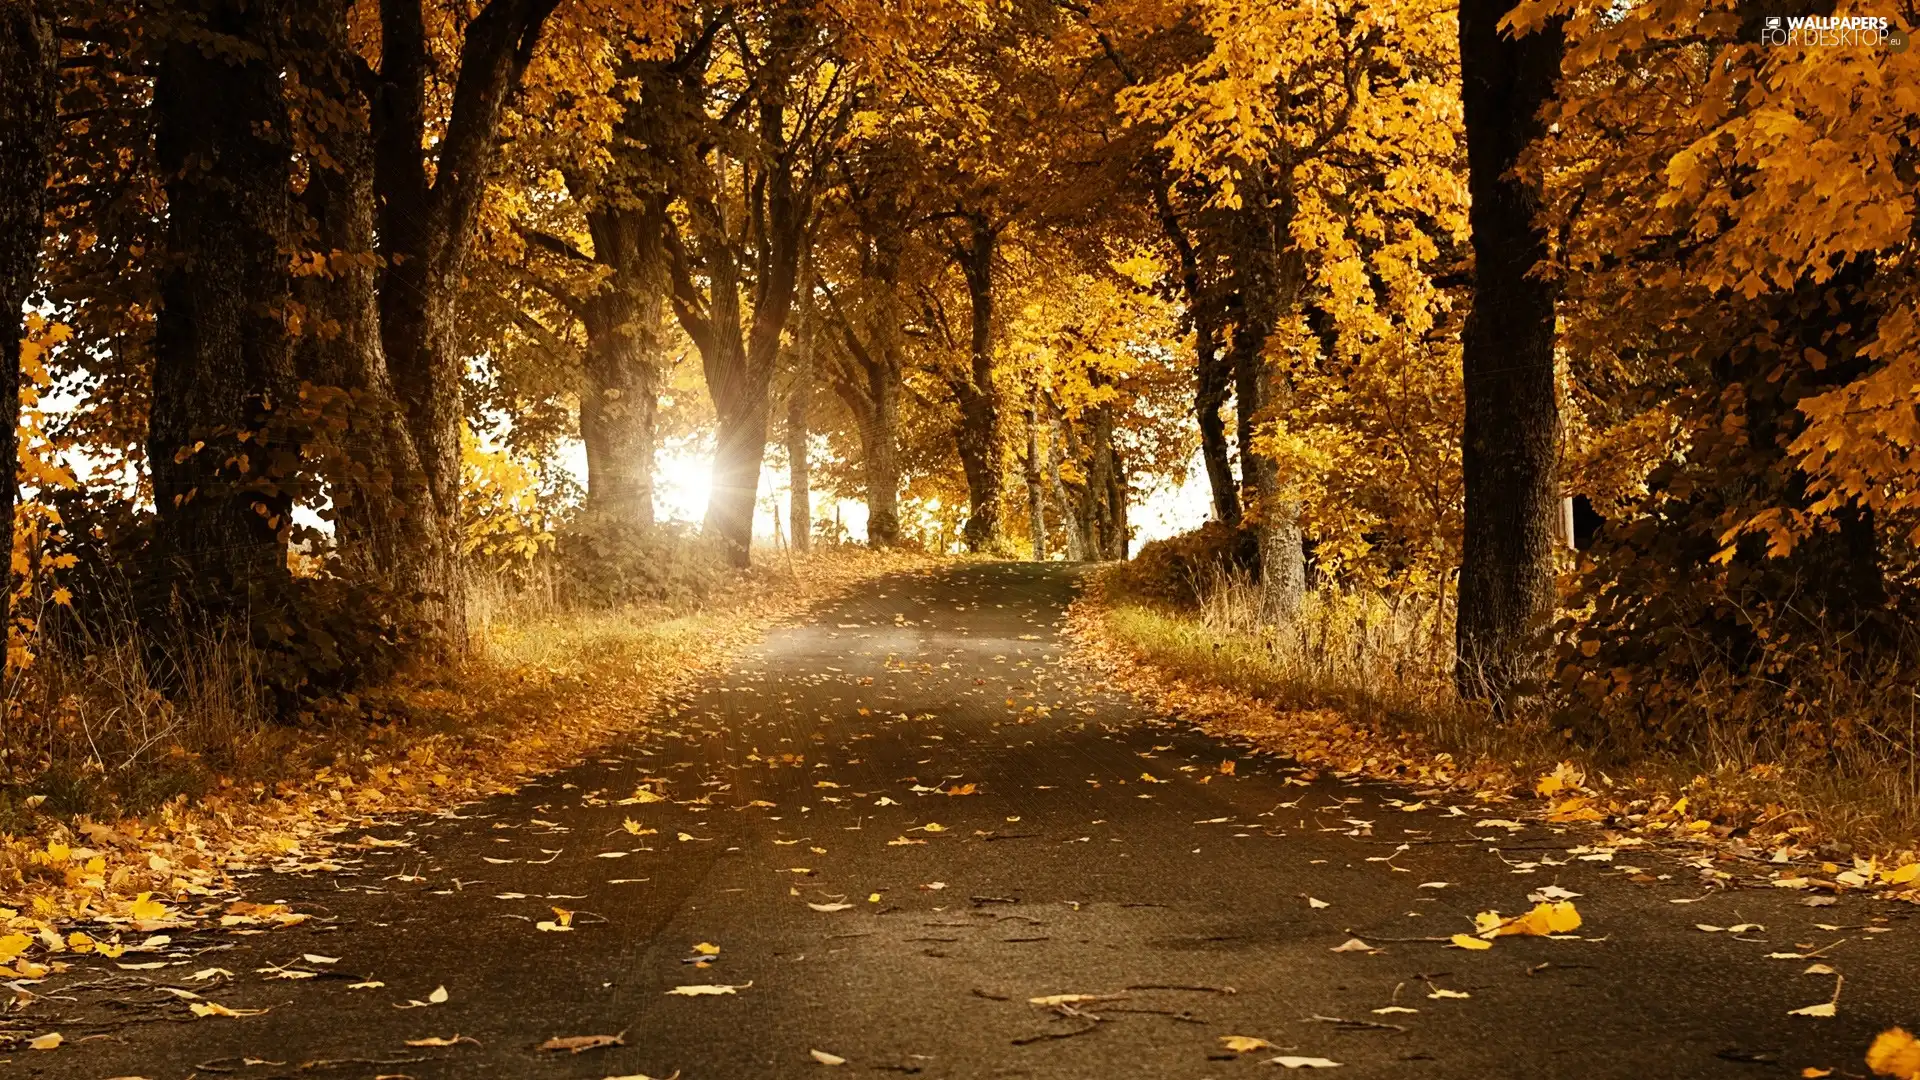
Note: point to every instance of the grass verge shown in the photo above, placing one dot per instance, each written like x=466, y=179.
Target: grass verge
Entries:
x=1359, y=686
x=543, y=689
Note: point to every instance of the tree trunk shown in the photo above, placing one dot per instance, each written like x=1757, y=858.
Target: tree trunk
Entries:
x=740, y=406
x=382, y=511
x=223, y=360
x=739, y=450
x=1271, y=275
x=978, y=437
x=619, y=401
x=799, y=403
x=1036, y=494
x=867, y=379
x=1070, y=521
x=1508, y=450
x=1213, y=375
x=880, y=439
x=427, y=220
x=1213, y=372
x=1105, y=495
x=29, y=107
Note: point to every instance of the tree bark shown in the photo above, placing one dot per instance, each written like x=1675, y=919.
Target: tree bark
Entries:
x=620, y=399
x=426, y=224
x=382, y=510
x=1070, y=521
x=1271, y=275
x=1213, y=370
x=1036, y=493
x=29, y=110
x=223, y=359
x=739, y=363
x=867, y=380
x=978, y=436
x=1508, y=451
x=799, y=404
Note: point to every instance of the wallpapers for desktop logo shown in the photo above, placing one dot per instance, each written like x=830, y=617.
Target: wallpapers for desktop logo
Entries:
x=1833, y=32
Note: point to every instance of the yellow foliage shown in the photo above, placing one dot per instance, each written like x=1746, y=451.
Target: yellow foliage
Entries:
x=1895, y=1053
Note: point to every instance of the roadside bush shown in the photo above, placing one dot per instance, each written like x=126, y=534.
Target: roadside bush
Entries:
x=1182, y=570
x=601, y=564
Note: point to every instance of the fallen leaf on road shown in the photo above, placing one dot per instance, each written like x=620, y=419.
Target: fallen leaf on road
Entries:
x=825, y=1058
x=707, y=948
x=1467, y=941
x=1069, y=999
x=1241, y=1044
x=1544, y=920
x=1286, y=1062
x=575, y=1044
x=46, y=1042
x=147, y=909
x=1825, y=1008
x=1389, y=1010
x=1354, y=944
x=1442, y=995
x=829, y=907
x=214, y=1008
x=707, y=990
x=438, y=997
x=436, y=1040
x=1895, y=1053
x=1317, y=904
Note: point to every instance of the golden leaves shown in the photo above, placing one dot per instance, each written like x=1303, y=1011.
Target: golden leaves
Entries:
x=1895, y=1053
x=707, y=990
x=1545, y=919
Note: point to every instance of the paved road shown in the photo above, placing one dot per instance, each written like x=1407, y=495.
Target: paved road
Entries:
x=904, y=819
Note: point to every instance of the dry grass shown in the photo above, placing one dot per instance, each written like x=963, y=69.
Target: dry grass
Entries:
x=93, y=744
x=1383, y=665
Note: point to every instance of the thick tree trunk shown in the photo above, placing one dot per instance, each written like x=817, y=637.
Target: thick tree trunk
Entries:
x=223, y=360
x=867, y=378
x=740, y=406
x=382, y=512
x=880, y=440
x=978, y=437
x=427, y=219
x=1271, y=276
x=1508, y=450
x=740, y=448
x=29, y=106
x=1105, y=510
x=620, y=398
x=1036, y=492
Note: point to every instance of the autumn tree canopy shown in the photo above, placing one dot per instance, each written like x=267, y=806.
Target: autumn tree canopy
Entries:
x=1590, y=324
